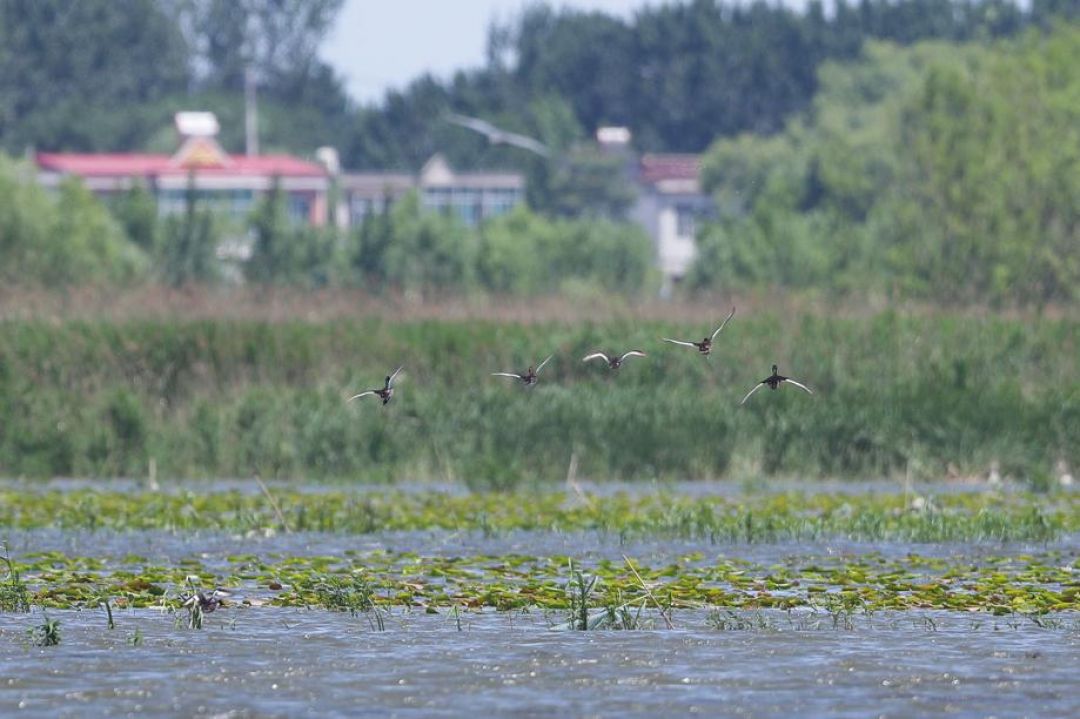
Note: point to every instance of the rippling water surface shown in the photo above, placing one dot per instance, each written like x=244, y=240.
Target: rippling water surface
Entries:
x=277, y=662
x=267, y=662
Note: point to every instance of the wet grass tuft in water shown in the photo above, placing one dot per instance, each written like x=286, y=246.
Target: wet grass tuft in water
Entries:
x=46, y=634
x=14, y=596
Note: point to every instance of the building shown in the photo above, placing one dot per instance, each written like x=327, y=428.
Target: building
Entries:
x=669, y=205
x=228, y=184
x=471, y=196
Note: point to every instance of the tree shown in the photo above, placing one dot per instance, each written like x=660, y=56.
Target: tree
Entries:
x=65, y=68
x=62, y=239
x=190, y=244
x=272, y=252
x=137, y=212
x=278, y=39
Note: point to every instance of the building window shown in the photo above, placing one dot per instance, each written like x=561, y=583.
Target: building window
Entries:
x=685, y=221
x=234, y=204
x=299, y=208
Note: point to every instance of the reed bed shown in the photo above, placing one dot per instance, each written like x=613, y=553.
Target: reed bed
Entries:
x=753, y=518
x=926, y=396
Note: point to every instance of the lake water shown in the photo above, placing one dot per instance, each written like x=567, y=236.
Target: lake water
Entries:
x=263, y=661
x=270, y=662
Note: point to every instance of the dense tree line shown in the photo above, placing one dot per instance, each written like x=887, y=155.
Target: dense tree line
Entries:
x=945, y=169
x=107, y=74
x=678, y=74
x=949, y=172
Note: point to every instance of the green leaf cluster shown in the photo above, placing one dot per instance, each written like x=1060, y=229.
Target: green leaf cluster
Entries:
x=938, y=171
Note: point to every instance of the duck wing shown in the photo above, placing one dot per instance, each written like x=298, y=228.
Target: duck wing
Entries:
x=679, y=342
x=800, y=385
x=390, y=380
x=541, y=365
x=362, y=394
x=596, y=355
x=506, y=374
x=758, y=386
x=721, y=327
x=632, y=353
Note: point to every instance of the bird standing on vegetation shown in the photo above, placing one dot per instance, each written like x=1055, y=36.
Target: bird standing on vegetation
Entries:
x=774, y=381
x=385, y=394
x=206, y=601
x=614, y=361
x=529, y=377
x=705, y=345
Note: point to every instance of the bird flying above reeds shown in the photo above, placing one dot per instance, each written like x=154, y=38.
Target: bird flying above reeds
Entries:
x=773, y=381
x=705, y=345
x=528, y=378
x=613, y=361
x=385, y=393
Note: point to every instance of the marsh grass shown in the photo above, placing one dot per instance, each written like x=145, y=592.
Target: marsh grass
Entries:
x=579, y=591
x=46, y=634
x=14, y=594
x=752, y=518
x=353, y=594
x=929, y=394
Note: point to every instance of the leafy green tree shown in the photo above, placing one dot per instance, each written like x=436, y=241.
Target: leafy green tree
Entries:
x=67, y=69
x=273, y=252
x=429, y=250
x=137, y=212
x=525, y=253
x=189, y=249
x=937, y=171
x=65, y=238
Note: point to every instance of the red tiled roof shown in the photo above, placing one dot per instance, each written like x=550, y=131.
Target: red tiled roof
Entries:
x=141, y=165
x=655, y=168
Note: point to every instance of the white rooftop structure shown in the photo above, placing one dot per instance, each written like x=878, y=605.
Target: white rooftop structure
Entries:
x=197, y=124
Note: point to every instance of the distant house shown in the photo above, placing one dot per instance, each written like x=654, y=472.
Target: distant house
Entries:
x=470, y=196
x=670, y=204
x=228, y=184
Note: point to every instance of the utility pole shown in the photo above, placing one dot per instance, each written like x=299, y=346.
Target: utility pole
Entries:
x=251, y=114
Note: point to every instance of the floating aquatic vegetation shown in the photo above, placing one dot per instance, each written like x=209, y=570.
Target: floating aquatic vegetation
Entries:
x=600, y=593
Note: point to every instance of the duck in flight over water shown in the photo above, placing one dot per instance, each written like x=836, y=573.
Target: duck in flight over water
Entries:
x=705, y=345
x=614, y=361
x=773, y=382
x=385, y=394
x=529, y=377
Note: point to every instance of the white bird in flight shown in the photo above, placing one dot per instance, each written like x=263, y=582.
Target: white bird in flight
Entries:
x=498, y=136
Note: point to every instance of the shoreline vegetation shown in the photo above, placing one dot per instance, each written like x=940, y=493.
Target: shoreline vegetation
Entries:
x=1000, y=553
x=240, y=384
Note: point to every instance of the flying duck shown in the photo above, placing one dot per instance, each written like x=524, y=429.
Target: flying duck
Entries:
x=529, y=378
x=705, y=345
x=613, y=361
x=774, y=381
x=385, y=393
